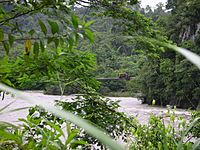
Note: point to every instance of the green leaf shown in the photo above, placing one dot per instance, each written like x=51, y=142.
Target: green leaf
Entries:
x=68, y=128
x=87, y=24
x=75, y=143
x=89, y=35
x=71, y=136
x=36, y=48
x=11, y=39
x=31, y=32
x=75, y=21
x=4, y=67
x=79, y=142
x=43, y=27
x=1, y=34
x=71, y=40
x=42, y=46
x=8, y=82
x=54, y=26
x=6, y=47
x=57, y=128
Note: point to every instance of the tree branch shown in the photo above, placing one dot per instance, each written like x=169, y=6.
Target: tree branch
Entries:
x=19, y=15
x=6, y=1
x=36, y=38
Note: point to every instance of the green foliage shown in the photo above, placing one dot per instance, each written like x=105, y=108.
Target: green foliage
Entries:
x=159, y=135
x=54, y=26
x=112, y=86
x=5, y=70
x=36, y=25
x=173, y=76
x=196, y=129
x=164, y=75
x=67, y=66
x=1, y=34
x=102, y=112
x=42, y=26
x=41, y=125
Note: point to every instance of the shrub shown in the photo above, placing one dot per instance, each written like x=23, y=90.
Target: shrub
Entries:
x=102, y=112
x=196, y=129
x=158, y=134
x=40, y=130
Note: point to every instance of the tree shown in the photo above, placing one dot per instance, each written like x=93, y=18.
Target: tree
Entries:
x=172, y=74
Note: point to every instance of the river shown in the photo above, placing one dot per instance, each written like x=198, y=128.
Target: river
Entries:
x=129, y=105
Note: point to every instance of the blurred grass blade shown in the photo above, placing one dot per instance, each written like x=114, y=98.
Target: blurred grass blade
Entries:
x=4, y=124
x=13, y=110
x=2, y=109
x=192, y=57
x=88, y=127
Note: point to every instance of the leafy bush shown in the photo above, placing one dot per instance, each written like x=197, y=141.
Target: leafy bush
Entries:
x=158, y=134
x=40, y=130
x=196, y=129
x=102, y=112
x=69, y=70
x=112, y=86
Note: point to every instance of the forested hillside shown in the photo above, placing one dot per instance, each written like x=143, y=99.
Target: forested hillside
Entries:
x=157, y=74
x=178, y=82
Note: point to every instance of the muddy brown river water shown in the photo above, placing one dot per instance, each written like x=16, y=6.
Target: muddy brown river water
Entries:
x=129, y=105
